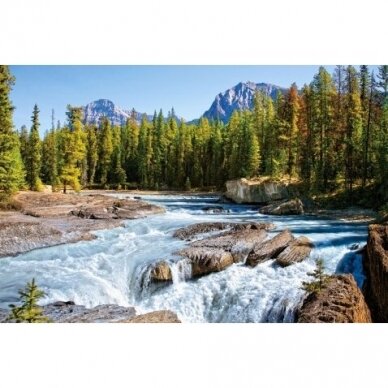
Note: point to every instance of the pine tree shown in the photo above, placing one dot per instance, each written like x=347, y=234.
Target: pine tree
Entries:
x=29, y=311
x=23, y=140
x=382, y=146
x=91, y=152
x=321, y=278
x=49, y=169
x=72, y=150
x=105, y=151
x=353, y=130
x=292, y=108
x=11, y=166
x=34, y=157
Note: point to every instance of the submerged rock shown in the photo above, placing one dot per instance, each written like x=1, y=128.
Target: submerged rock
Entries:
x=270, y=248
x=376, y=271
x=296, y=252
x=341, y=301
x=246, y=191
x=214, y=209
x=291, y=207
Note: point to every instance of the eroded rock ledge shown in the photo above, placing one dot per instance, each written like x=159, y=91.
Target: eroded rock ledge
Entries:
x=50, y=219
x=69, y=312
x=340, y=302
x=376, y=271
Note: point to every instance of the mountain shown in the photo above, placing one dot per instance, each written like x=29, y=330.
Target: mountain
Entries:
x=95, y=110
x=239, y=97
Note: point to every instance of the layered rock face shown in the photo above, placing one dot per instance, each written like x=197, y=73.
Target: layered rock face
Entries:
x=340, y=302
x=376, y=270
x=245, y=191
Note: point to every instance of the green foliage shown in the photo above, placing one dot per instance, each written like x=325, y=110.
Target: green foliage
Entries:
x=332, y=134
x=34, y=157
x=320, y=281
x=11, y=166
x=28, y=311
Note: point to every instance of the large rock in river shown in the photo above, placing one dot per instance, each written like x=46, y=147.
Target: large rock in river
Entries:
x=284, y=208
x=212, y=254
x=245, y=191
x=341, y=301
x=192, y=231
x=296, y=252
x=270, y=248
x=376, y=271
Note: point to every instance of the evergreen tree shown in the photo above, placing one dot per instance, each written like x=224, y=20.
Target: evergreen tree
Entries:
x=72, y=150
x=29, y=311
x=34, y=157
x=353, y=130
x=321, y=278
x=105, y=151
x=11, y=166
x=49, y=170
x=91, y=152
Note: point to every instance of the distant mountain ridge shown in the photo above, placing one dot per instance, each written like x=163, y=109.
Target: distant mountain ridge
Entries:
x=94, y=111
x=239, y=97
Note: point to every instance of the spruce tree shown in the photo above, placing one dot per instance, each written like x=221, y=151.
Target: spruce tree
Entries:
x=34, y=157
x=29, y=311
x=105, y=151
x=11, y=166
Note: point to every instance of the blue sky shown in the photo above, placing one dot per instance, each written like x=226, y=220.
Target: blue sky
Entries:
x=189, y=89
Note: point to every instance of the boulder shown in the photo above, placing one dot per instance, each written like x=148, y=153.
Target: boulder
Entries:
x=270, y=248
x=296, y=252
x=162, y=316
x=239, y=243
x=341, y=301
x=187, y=233
x=284, y=208
x=161, y=272
x=376, y=272
x=207, y=260
x=245, y=191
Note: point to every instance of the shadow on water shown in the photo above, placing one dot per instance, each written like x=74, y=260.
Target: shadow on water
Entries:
x=352, y=262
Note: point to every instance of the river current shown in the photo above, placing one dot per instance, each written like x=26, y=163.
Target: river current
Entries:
x=113, y=268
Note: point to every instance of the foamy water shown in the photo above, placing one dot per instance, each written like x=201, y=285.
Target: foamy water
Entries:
x=114, y=268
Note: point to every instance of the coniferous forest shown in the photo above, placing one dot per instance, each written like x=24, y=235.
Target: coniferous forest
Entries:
x=331, y=134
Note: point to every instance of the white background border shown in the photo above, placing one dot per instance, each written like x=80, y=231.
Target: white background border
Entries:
x=193, y=32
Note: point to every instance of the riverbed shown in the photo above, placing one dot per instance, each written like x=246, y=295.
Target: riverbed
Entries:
x=113, y=268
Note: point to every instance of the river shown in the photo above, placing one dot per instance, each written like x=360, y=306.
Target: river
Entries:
x=112, y=269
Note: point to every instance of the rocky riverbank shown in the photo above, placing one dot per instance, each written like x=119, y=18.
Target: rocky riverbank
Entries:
x=69, y=312
x=48, y=219
x=376, y=270
x=341, y=301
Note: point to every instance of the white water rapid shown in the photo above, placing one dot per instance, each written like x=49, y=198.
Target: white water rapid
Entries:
x=113, y=267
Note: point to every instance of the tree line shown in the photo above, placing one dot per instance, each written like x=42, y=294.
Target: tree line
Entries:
x=333, y=132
